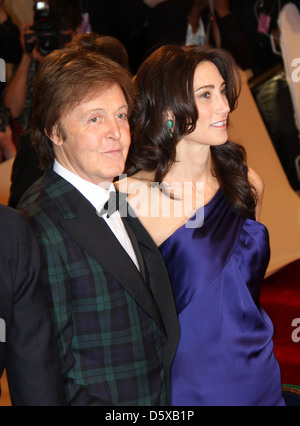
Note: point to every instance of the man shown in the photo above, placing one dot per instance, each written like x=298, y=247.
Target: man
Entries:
x=27, y=346
x=111, y=300
x=64, y=21
x=26, y=168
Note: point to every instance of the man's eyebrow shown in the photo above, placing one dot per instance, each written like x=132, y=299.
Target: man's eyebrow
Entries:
x=125, y=106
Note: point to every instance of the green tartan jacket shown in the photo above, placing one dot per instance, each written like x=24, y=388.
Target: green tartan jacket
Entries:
x=117, y=331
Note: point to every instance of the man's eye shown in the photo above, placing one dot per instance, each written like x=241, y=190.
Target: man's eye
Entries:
x=122, y=116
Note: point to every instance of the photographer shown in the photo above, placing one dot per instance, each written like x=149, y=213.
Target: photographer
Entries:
x=60, y=18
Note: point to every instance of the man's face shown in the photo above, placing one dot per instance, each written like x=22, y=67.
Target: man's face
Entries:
x=97, y=137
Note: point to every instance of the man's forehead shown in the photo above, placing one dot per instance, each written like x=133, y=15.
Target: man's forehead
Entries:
x=105, y=99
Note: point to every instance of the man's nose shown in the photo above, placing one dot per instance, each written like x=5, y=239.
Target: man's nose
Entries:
x=113, y=129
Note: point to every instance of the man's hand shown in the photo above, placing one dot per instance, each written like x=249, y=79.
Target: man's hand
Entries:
x=28, y=36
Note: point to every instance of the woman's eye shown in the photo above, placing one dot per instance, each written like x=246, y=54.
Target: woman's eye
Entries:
x=205, y=95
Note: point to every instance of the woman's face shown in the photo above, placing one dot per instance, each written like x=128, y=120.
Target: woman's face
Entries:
x=213, y=106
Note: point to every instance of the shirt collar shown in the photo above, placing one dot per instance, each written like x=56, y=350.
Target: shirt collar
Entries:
x=95, y=194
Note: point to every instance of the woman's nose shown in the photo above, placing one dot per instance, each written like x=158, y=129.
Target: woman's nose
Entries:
x=223, y=105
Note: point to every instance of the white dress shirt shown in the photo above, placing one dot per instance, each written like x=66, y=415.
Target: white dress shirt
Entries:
x=98, y=196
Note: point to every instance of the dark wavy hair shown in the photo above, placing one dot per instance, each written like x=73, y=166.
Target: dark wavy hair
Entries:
x=165, y=81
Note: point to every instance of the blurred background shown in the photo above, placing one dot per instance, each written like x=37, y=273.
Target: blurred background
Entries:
x=264, y=38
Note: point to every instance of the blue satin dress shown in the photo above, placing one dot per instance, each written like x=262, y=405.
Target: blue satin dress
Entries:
x=225, y=356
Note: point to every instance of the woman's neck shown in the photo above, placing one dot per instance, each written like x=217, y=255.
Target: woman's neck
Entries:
x=193, y=164
x=191, y=176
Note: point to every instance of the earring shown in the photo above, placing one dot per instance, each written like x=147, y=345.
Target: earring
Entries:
x=170, y=124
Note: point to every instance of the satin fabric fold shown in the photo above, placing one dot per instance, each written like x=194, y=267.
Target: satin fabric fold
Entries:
x=225, y=355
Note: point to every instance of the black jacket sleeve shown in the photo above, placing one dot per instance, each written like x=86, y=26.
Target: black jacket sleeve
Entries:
x=32, y=364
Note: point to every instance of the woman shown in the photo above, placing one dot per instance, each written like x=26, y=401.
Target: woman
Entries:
x=181, y=158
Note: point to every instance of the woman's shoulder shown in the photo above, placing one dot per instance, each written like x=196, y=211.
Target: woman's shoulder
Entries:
x=130, y=185
x=256, y=181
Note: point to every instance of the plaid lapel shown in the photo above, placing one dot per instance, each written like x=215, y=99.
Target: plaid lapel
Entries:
x=114, y=321
x=81, y=222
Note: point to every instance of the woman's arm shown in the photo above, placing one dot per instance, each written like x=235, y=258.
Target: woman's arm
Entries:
x=258, y=183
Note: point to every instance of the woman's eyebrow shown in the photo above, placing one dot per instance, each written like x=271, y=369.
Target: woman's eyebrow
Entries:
x=209, y=86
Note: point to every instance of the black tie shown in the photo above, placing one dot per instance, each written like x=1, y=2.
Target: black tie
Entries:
x=117, y=201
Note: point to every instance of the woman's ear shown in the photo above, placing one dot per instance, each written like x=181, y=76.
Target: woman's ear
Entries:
x=170, y=115
x=171, y=122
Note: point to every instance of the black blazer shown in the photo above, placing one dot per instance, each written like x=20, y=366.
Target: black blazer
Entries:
x=27, y=348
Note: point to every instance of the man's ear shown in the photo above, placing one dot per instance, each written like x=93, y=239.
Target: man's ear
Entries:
x=55, y=136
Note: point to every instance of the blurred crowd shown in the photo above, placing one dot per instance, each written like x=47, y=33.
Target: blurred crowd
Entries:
x=133, y=28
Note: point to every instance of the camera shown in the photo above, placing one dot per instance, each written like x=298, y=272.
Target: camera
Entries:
x=4, y=118
x=45, y=29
